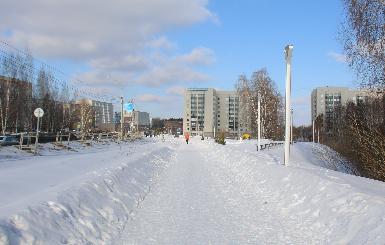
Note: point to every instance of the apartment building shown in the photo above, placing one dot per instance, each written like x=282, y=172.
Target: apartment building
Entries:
x=325, y=100
x=136, y=119
x=103, y=112
x=207, y=111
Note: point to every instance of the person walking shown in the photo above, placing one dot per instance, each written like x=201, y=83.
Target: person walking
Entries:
x=187, y=137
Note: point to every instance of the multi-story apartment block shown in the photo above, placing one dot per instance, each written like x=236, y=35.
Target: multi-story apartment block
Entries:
x=103, y=111
x=325, y=100
x=137, y=119
x=207, y=111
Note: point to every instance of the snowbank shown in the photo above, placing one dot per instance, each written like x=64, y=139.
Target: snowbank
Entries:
x=328, y=207
x=91, y=208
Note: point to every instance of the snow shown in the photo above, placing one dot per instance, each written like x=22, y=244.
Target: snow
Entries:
x=154, y=192
x=76, y=197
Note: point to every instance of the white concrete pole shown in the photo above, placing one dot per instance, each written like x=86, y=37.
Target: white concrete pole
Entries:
x=291, y=127
x=288, y=54
x=259, y=121
x=121, y=118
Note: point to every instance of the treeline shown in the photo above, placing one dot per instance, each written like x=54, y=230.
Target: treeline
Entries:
x=357, y=131
x=24, y=87
x=260, y=86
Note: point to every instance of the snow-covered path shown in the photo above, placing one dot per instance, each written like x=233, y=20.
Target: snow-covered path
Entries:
x=186, y=207
x=155, y=192
x=204, y=199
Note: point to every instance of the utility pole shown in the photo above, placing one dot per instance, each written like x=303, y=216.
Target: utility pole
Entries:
x=259, y=121
x=288, y=55
x=291, y=127
x=121, y=118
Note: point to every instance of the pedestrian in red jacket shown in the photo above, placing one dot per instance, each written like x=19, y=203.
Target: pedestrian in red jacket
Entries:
x=187, y=137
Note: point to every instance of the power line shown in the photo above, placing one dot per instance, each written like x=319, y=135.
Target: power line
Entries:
x=35, y=73
x=105, y=96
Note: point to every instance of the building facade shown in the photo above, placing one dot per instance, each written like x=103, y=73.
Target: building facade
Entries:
x=173, y=125
x=137, y=119
x=326, y=100
x=103, y=112
x=207, y=112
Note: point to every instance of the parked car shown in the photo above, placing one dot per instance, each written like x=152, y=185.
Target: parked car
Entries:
x=8, y=140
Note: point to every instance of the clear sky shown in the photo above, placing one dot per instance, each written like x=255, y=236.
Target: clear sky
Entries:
x=151, y=50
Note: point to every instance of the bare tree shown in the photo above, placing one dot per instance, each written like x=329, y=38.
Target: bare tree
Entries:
x=85, y=113
x=5, y=93
x=262, y=87
x=270, y=103
x=363, y=36
x=247, y=110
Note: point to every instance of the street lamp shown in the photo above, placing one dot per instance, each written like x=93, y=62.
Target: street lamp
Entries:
x=291, y=126
x=259, y=121
x=288, y=55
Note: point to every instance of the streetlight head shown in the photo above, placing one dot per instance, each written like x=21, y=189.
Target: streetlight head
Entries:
x=288, y=50
x=289, y=47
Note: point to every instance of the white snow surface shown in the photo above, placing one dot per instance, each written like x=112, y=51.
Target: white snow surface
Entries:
x=154, y=192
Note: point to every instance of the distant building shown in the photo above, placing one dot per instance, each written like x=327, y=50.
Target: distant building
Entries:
x=325, y=100
x=173, y=125
x=207, y=111
x=137, y=119
x=103, y=113
x=157, y=123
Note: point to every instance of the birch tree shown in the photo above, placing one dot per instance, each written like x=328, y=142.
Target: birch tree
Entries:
x=363, y=37
x=262, y=87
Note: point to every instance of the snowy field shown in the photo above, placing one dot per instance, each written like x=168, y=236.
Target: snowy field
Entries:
x=154, y=192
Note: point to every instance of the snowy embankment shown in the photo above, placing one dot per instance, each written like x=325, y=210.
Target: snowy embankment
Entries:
x=325, y=206
x=82, y=196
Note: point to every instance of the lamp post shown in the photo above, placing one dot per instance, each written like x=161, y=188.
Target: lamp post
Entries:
x=291, y=126
x=259, y=121
x=288, y=55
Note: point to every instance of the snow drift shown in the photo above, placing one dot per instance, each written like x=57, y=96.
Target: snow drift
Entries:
x=94, y=212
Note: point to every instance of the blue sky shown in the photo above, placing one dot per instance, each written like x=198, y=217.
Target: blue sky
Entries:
x=151, y=51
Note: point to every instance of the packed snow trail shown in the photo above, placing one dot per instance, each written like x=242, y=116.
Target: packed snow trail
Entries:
x=198, y=202
x=211, y=195
x=187, y=207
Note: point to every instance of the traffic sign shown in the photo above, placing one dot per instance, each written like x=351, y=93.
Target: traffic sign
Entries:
x=129, y=107
x=38, y=112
